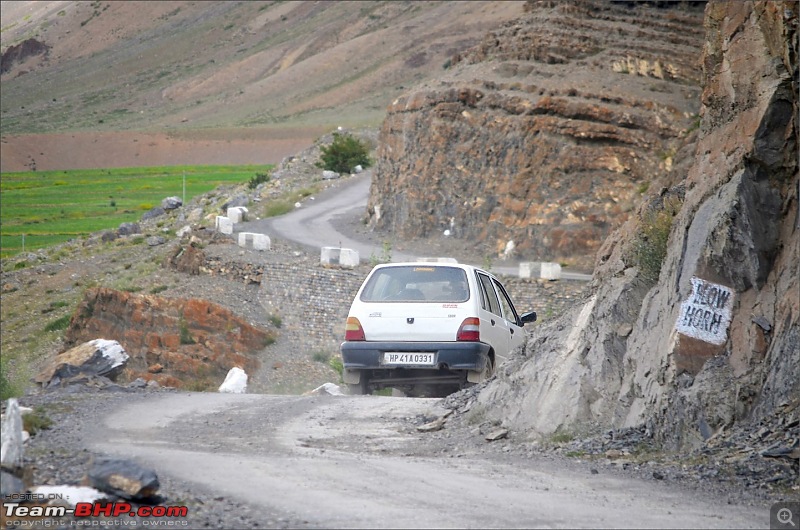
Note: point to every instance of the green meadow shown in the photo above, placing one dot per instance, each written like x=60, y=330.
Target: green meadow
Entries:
x=43, y=208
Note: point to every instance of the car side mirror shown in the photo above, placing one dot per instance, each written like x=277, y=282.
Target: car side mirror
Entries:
x=528, y=317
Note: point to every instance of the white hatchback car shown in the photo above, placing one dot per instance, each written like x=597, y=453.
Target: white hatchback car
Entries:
x=428, y=329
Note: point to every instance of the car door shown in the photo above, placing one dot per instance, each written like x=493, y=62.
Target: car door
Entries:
x=513, y=321
x=494, y=328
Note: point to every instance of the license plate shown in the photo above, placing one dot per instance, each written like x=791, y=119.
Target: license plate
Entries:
x=409, y=358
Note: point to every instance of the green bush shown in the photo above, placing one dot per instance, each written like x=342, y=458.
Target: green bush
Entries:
x=344, y=153
x=58, y=324
x=185, y=334
x=259, y=178
x=337, y=364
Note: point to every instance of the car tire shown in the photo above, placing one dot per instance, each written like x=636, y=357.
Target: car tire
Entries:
x=488, y=369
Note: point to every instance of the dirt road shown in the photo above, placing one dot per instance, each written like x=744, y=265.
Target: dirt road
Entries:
x=360, y=462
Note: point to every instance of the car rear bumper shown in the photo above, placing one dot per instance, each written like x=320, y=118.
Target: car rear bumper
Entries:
x=452, y=356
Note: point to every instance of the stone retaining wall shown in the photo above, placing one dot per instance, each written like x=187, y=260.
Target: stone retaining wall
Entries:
x=312, y=301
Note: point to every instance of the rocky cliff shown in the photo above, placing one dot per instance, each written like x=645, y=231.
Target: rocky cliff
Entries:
x=546, y=134
x=188, y=343
x=711, y=341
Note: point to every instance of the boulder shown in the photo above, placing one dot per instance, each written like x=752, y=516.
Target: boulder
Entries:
x=235, y=382
x=330, y=175
x=127, y=229
x=157, y=211
x=97, y=357
x=171, y=203
x=124, y=478
x=187, y=259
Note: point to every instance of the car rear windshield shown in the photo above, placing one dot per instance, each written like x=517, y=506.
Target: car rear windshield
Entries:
x=417, y=283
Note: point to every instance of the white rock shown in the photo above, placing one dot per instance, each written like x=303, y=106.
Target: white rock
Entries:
x=235, y=382
x=71, y=494
x=326, y=389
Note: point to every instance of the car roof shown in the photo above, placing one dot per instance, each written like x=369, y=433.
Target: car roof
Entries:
x=463, y=266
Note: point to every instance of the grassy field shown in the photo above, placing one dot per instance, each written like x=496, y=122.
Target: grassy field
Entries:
x=43, y=208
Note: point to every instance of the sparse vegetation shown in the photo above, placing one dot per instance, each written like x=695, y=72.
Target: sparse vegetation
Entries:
x=385, y=257
x=560, y=437
x=185, y=335
x=649, y=247
x=36, y=421
x=259, y=178
x=321, y=357
x=58, y=324
x=336, y=363
x=275, y=320
x=344, y=153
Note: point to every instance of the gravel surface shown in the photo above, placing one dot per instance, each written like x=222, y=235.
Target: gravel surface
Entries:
x=59, y=455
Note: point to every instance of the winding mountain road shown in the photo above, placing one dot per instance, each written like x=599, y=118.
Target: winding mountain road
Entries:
x=311, y=225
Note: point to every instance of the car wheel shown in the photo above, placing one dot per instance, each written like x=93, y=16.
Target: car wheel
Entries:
x=488, y=369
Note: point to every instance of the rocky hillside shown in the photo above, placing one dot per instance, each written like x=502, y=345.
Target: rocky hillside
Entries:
x=545, y=134
x=711, y=343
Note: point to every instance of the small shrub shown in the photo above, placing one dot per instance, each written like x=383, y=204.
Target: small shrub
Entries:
x=320, y=357
x=336, y=363
x=185, y=336
x=58, y=324
x=344, y=153
x=561, y=437
x=259, y=178
x=275, y=320
x=36, y=421
x=158, y=289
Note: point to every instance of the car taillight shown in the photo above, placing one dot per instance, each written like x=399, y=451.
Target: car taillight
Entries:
x=470, y=330
x=353, y=330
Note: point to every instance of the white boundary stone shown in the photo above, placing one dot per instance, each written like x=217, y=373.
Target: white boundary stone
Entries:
x=254, y=241
x=237, y=214
x=224, y=225
x=344, y=257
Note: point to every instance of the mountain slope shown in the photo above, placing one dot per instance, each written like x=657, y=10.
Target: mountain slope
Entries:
x=157, y=65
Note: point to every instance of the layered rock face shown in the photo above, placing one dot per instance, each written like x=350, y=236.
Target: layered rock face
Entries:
x=182, y=343
x=714, y=342
x=546, y=134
